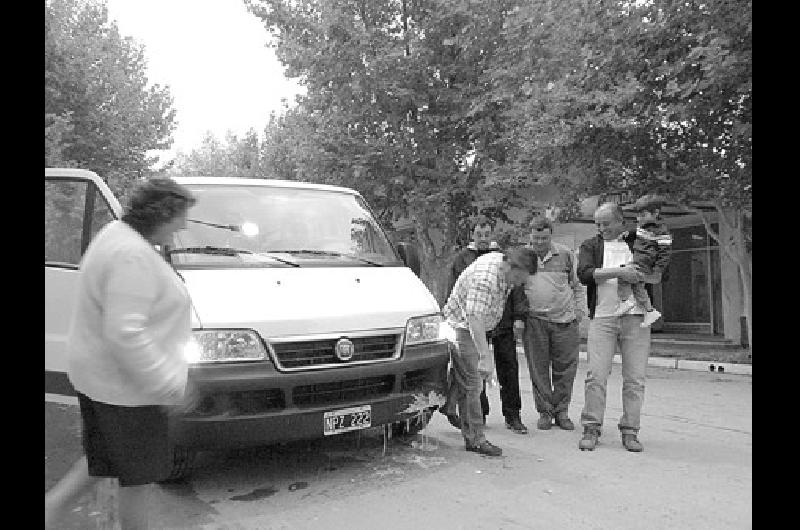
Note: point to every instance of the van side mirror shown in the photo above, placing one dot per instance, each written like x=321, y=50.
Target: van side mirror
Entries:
x=410, y=256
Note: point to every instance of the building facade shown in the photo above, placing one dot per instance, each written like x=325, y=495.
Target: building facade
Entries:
x=702, y=293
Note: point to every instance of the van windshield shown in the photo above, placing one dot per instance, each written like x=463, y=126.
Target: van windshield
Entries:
x=274, y=226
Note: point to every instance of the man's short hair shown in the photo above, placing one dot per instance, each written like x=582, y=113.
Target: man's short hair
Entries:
x=649, y=203
x=540, y=223
x=522, y=258
x=482, y=220
x=614, y=208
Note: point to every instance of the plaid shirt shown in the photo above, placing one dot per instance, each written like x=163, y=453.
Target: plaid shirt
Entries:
x=480, y=291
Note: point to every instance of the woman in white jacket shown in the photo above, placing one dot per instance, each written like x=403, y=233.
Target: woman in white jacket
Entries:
x=126, y=352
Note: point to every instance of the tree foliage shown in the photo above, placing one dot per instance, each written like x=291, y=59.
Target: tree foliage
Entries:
x=100, y=111
x=438, y=109
x=640, y=97
x=646, y=96
x=233, y=157
x=391, y=87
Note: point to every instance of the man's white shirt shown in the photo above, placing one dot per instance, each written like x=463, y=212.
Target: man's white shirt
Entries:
x=615, y=253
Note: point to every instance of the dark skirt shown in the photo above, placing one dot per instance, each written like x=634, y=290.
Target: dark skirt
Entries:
x=127, y=443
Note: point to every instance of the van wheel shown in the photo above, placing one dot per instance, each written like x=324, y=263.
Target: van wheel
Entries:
x=182, y=461
x=412, y=425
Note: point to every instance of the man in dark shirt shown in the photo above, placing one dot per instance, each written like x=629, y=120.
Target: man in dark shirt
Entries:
x=502, y=337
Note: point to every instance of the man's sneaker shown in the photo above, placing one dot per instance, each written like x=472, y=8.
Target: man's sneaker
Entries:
x=516, y=425
x=589, y=440
x=545, y=422
x=649, y=318
x=631, y=443
x=563, y=421
x=484, y=448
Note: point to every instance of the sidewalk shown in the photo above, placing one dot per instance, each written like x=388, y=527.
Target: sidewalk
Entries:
x=677, y=363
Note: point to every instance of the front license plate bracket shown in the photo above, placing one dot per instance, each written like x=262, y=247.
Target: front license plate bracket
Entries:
x=345, y=420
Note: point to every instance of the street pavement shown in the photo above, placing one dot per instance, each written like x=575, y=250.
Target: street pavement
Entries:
x=695, y=471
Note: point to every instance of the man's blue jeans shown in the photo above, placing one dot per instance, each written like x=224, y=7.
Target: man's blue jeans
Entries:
x=465, y=388
x=605, y=333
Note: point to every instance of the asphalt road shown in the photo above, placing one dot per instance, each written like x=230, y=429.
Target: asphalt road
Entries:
x=695, y=471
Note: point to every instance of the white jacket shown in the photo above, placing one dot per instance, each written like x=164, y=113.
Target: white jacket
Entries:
x=132, y=323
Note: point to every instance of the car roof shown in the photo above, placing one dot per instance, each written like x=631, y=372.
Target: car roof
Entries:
x=214, y=181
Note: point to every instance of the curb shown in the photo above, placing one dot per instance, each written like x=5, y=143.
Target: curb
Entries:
x=684, y=364
x=681, y=364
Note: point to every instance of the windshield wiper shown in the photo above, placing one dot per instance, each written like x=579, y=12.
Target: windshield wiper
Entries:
x=329, y=253
x=232, y=228
x=224, y=251
x=221, y=251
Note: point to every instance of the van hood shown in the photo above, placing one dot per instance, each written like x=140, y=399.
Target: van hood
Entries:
x=306, y=301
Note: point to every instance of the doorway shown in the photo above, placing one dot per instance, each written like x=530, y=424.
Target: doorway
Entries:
x=691, y=295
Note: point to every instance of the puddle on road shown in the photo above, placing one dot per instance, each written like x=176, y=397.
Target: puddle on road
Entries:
x=311, y=465
x=256, y=494
x=179, y=503
x=298, y=486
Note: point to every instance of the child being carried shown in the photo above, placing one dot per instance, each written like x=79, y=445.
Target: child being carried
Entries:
x=651, y=252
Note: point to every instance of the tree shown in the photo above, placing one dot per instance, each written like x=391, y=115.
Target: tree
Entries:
x=100, y=112
x=235, y=157
x=439, y=109
x=389, y=110
x=645, y=97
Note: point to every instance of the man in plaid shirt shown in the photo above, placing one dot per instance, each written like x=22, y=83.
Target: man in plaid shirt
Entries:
x=473, y=308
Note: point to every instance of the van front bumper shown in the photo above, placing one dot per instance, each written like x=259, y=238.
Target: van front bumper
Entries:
x=249, y=404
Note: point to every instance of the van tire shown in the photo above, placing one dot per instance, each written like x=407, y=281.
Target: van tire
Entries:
x=182, y=462
x=412, y=425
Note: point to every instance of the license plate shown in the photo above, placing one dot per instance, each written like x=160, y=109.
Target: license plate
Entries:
x=350, y=419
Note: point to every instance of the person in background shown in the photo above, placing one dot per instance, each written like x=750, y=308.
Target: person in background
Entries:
x=557, y=302
x=472, y=309
x=504, y=343
x=651, y=253
x=599, y=268
x=126, y=353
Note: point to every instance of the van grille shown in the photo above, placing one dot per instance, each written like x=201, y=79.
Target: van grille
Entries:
x=321, y=352
x=240, y=403
x=342, y=391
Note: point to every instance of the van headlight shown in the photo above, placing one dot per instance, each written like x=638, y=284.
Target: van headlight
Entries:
x=224, y=345
x=424, y=329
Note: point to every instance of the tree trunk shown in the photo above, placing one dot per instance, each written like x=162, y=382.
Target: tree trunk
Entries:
x=747, y=285
x=736, y=249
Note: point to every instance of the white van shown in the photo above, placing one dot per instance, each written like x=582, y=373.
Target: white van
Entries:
x=307, y=321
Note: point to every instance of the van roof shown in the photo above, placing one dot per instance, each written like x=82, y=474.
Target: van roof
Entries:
x=262, y=182
x=67, y=172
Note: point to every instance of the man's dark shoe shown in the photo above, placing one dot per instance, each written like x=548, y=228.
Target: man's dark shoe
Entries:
x=484, y=448
x=563, y=421
x=589, y=440
x=516, y=425
x=545, y=422
x=454, y=419
x=631, y=443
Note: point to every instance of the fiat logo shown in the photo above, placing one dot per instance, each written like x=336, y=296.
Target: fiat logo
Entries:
x=345, y=349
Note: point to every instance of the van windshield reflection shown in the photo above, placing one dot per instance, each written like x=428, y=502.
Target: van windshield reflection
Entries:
x=298, y=225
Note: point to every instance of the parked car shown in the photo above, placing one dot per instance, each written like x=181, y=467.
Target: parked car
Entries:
x=307, y=321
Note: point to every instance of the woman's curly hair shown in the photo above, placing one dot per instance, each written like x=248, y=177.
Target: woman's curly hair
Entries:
x=154, y=203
